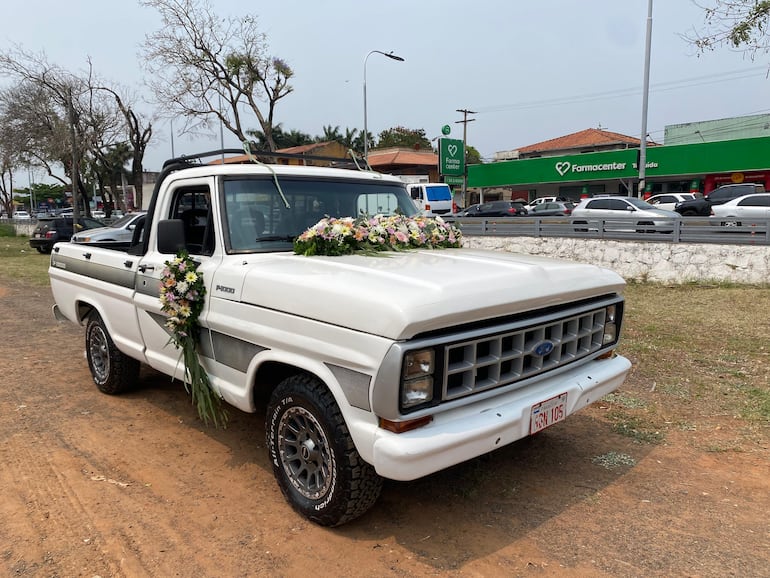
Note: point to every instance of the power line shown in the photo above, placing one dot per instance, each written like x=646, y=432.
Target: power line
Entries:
x=695, y=81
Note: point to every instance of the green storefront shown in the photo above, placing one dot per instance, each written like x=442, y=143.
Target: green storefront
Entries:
x=680, y=168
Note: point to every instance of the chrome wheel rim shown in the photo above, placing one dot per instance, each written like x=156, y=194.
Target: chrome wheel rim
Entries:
x=305, y=454
x=99, y=354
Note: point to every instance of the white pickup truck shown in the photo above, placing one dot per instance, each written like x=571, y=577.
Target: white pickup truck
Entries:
x=390, y=366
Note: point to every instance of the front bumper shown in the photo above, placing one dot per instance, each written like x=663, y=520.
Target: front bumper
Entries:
x=476, y=429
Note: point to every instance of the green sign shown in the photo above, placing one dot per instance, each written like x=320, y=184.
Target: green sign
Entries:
x=453, y=180
x=451, y=157
x=446, y=129
x=674, y=160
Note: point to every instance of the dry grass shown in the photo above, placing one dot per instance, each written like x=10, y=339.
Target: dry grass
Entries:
x=701, y=363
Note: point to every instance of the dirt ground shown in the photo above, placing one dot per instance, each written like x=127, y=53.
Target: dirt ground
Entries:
x=134, y=485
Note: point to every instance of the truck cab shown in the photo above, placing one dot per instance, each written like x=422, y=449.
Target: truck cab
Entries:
x=433, y=199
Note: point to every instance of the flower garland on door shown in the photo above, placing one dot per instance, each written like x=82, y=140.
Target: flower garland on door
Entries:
x=182, y=295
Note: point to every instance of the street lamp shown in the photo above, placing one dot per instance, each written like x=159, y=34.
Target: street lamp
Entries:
x=366, y=134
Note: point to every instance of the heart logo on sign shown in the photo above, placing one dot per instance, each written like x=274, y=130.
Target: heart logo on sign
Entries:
x=452, y=149
x=562, y=167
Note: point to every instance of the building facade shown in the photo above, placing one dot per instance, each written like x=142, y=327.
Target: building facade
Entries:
x=695, y=167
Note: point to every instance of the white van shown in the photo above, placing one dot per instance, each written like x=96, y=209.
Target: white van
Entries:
x=433, y=199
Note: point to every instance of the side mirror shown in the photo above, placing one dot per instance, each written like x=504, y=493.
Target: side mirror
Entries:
x=171, y=236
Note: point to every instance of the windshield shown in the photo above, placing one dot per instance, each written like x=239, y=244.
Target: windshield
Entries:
x=258, y=219
x=438, y=193
x=123, y=221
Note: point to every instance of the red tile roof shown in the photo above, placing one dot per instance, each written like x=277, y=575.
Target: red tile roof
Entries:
x=401, y=156
x=302, y=149
x=584, y=138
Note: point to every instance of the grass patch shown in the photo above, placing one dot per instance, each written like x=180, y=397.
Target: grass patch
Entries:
x=700, y=356
x=637, y=428
x=21, y=262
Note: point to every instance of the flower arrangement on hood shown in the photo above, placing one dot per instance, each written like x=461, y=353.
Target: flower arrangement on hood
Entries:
x=182, y=295
x=365, y=234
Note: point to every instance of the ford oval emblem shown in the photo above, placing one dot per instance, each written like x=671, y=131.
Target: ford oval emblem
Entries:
x=543, y=348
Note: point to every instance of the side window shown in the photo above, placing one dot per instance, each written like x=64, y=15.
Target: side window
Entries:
x=598, y=204
x=192, y=205
x=378, y=204
x=618, y=205
x=755, y=201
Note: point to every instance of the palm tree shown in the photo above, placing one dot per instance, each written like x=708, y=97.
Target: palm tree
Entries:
x=331, y=134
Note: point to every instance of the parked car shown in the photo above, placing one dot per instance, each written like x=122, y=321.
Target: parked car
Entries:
x=702, y=206
x=21, y=215
x=121, y=231
x=540, y=200
x=622, y=214
x=495, y=209
x=51, y=230
x=669, y=201
x=746, y=210
x=552, y=209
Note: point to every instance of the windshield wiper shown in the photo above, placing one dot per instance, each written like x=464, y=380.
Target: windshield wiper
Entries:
x=289, y=238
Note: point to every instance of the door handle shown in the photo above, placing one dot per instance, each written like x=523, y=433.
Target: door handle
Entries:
x=145, y=268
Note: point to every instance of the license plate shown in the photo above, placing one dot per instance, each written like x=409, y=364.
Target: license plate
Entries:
x=548, y=412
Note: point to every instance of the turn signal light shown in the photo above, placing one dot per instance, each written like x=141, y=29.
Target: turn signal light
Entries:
x=404, y=426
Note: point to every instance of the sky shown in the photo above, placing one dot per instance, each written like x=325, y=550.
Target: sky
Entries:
x=530, y=71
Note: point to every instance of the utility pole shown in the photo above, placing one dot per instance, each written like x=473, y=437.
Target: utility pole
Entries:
x=465, y=112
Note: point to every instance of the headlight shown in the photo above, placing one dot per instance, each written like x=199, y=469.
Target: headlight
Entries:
x=417, y=391
x=417, y=363
x=610, y=326
x=417, y=378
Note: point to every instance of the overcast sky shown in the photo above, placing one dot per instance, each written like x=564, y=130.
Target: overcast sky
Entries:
x=530, y=70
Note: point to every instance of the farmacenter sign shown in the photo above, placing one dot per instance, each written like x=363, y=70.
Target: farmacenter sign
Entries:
x=682, y=160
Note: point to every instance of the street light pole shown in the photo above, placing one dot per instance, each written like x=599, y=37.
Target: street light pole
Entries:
x=366, y=133
x=645, y=96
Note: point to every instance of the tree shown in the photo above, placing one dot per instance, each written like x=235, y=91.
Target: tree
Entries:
x=281, y=139
x=138, y=131
x=331, y=134
x=741, y=24
x=350, y=138
x=404, y=137
x=210, y=69
x=472, y=156
x=61, y=94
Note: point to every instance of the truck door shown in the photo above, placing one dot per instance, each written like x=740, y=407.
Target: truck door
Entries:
x=190, y=201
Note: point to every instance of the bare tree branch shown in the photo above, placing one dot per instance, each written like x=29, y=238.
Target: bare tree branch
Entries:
x=209, y=69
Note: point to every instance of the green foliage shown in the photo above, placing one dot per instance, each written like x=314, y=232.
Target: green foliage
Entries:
x=404, y=137
x=741, y=24
x=472, y=156
x=7, y=231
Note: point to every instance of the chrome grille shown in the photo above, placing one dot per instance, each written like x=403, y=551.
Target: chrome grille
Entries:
x=491, y=361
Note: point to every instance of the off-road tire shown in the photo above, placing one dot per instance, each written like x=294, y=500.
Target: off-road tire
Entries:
x=113, y=372
x=314, y=459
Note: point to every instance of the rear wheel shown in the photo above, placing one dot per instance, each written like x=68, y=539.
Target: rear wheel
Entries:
x=113, y=372
x=579, y=229
x=314, y=459
x=731, y=223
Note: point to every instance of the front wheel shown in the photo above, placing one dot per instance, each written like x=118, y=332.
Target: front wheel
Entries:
x=113, y=371
x=314, y=459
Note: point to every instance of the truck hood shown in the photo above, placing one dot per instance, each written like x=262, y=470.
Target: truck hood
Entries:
x=400, y=295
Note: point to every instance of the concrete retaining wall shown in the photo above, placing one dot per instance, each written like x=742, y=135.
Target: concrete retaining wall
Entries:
x=647, y=261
